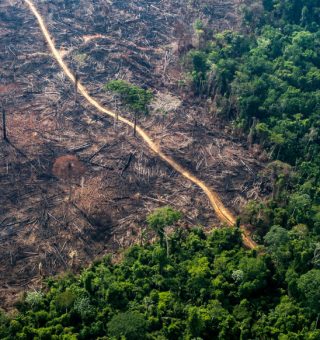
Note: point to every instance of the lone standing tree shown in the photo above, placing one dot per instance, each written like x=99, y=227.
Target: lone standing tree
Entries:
x=134, y=97
x=160, y=219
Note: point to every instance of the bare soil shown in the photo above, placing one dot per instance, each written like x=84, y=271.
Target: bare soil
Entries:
x=42, y=233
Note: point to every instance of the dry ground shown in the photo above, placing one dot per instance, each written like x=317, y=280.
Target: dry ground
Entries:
x=140, y=41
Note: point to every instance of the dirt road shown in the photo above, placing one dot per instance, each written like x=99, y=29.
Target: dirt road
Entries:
x=221, y=211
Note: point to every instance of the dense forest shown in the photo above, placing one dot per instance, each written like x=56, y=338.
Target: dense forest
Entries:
x=192, y=286
x=265, y=82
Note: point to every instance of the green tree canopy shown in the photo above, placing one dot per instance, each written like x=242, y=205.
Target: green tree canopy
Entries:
x=136, y=98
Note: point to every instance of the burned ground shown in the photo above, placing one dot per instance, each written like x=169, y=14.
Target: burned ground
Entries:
x=41, y=231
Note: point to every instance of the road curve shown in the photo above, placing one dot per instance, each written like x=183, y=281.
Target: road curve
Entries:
x=221, y=211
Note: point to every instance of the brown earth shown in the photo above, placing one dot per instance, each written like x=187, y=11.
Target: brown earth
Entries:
x=41, y=232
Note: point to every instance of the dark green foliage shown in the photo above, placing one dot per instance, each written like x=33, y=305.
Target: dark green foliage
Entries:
x=308, y=285
x=303, y=12
x=200, y=66
x=267, y=83
x=209, y=287
x=132, y=325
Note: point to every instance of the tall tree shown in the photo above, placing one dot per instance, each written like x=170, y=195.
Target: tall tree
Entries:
x=162, y=218
x=134, y=97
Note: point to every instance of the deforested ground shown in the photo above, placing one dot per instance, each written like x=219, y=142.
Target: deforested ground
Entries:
x=144, y=42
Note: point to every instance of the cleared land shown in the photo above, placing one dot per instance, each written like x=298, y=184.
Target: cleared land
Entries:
x=141, y=42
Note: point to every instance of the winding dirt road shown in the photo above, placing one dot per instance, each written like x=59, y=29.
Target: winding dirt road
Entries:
x=221, y=211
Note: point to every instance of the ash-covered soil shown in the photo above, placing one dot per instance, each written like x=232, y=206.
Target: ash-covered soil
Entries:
x=142, y=41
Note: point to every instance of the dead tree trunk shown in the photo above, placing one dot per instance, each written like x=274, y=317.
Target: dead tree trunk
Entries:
x=4, y=126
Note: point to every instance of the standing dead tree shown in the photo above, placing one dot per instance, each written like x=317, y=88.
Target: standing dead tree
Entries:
x=4, y=125
x=7, y=96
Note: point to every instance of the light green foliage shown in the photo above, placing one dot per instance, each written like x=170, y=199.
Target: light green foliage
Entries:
x=136, y=98
x=198, y=26
x=238, y=275
x=81, y=58
x=162, y=218
x=199, y=268
x=84, y=308
x=34, y=299
x=277, y=240
x=65, y=299
x=165, y=301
